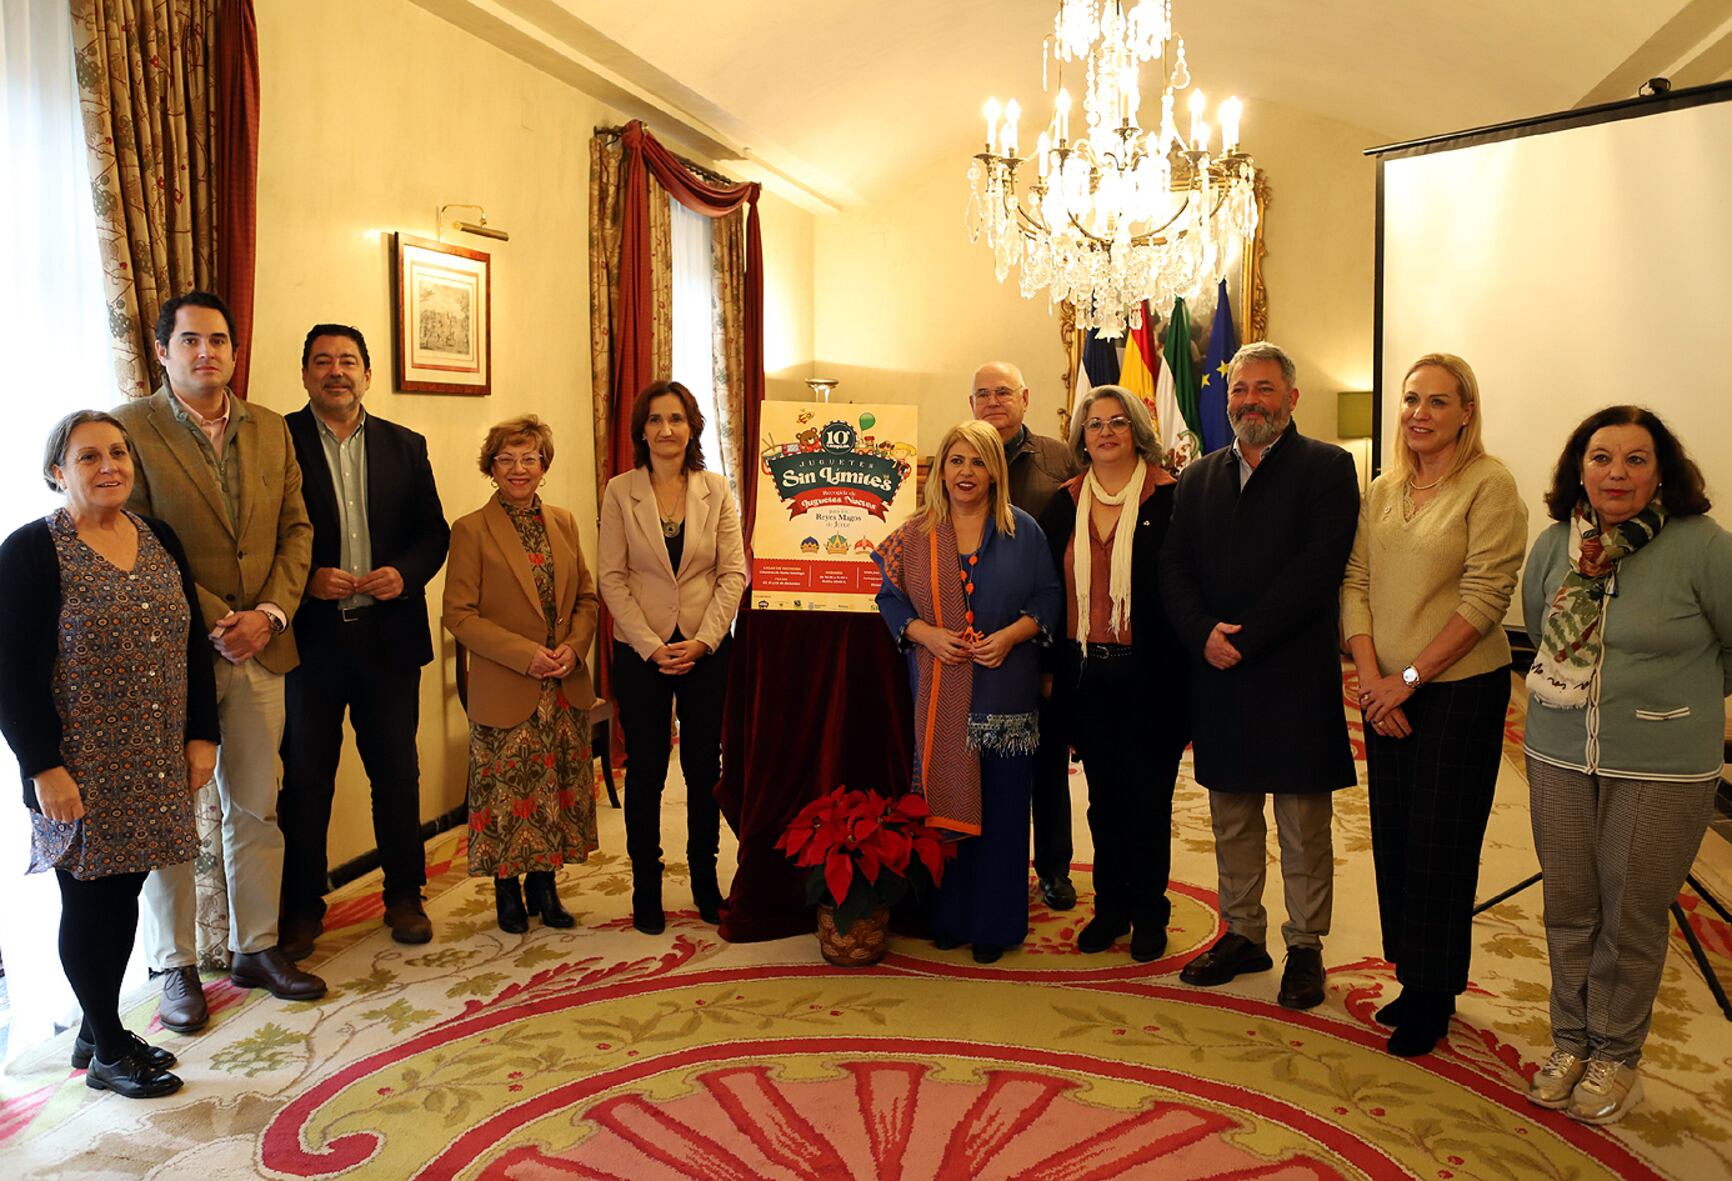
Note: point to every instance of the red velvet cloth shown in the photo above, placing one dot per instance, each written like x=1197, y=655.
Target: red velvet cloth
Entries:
x=814, y=700
x=237, y=173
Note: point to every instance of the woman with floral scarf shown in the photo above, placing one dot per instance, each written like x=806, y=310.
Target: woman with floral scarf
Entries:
x=1628, y=600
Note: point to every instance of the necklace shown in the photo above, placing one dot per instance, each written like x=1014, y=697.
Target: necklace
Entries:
x=672, y=519
x=966, y=573
x=1426, y=487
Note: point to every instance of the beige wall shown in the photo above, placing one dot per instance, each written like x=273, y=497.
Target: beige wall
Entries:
x=907, y=307
x=372, y=115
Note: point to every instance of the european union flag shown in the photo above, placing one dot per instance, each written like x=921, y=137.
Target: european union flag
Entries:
x=1212, y=382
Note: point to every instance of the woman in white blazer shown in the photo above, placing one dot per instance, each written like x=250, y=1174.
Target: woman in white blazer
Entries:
x=672, y=570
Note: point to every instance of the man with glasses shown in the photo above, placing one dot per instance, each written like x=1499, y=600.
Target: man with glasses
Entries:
x=379, y=535
x=1039, y=467
x=1250, y=575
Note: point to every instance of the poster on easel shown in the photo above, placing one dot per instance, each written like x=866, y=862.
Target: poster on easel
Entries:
x=834, y=478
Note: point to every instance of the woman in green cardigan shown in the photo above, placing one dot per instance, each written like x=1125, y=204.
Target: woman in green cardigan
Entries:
x=1629, y=602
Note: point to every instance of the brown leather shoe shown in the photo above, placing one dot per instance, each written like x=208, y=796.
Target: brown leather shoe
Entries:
x=271, y=969
x=408, y=921
x=182, y=1007
x=296, y=936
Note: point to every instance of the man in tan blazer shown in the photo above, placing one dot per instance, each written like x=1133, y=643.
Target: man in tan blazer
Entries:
x=223, y=474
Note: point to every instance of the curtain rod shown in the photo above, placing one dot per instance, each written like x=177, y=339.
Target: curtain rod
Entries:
x=709, y=174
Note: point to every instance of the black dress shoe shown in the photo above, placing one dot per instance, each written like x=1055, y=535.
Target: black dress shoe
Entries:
x=1424, y=1022
x=1302, y=979
x=296, y=936
x=271, y=970
x=1148, y=942
x=156, y=1056
x=1101, y=933
x=650, y=922
x=948, y=944
x=132, y=1077
x=182, y=1008
x=508, y=905
x=987, y=953
x=1232, y=955
x=540, y=897
x=1057, y=892
x=1395, y=1012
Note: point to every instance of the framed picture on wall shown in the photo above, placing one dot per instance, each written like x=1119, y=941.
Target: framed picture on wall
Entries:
x=443, y=304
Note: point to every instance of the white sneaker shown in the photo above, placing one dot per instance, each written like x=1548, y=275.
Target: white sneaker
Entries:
x=1554, y=1081
x=1608, y=1089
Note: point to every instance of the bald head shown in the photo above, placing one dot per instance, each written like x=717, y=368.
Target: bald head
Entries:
x=999, y=397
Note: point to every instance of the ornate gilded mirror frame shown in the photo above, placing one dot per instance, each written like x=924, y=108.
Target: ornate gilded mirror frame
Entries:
x=1251, y=303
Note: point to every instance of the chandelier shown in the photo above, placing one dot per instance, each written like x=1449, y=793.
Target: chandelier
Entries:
x=1113, y=215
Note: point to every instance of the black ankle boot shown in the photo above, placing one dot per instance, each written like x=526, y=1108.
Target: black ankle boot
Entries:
x=508, y=901
x=542, y=898
x=1424, y=1022
x=646, y=900
x=707, y=892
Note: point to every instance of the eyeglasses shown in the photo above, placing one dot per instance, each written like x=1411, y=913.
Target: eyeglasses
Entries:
x=511, y=463
x=1002, y=394
x=1116, y=425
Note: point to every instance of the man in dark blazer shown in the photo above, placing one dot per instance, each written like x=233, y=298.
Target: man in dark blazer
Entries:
x=1250, y=573
x=379, y=535
x=1039, y=467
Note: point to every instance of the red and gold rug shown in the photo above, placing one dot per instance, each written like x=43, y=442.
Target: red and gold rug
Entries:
x=601, y=1053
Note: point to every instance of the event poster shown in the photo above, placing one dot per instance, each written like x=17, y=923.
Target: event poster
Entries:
x=834, y=478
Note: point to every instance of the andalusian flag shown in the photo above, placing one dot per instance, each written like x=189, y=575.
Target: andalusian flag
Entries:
x=1179, y=361
x=1212, y=382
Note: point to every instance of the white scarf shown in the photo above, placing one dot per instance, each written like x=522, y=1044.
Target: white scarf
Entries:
x=1129, y=499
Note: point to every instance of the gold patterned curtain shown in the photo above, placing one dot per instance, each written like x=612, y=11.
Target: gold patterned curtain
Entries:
x=148, y=88
x=728, y=339
x=606, y=207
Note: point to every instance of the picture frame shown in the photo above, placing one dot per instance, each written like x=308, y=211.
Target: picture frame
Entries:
x=442, y=308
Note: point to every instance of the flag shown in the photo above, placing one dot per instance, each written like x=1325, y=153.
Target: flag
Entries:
x=1212, y=382
x=1138, y=372
x=1098, y=365
x=1179, y=361
x=1168, y=420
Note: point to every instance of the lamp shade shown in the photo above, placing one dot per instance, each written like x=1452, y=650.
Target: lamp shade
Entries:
x=1353, y=414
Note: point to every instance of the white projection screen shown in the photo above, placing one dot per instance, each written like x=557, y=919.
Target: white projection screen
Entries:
x=1576, y=261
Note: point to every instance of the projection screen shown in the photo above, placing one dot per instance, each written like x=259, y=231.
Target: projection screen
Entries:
x=1576, y=261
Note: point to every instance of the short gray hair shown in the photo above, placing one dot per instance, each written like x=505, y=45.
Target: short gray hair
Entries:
x=1142, y=423
x=1262, y=350
x=54, y=455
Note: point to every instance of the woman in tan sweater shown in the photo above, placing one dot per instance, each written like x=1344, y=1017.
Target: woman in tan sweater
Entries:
x=1441, y=537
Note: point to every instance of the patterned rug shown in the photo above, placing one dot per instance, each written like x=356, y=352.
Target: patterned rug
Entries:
x=601, y=1053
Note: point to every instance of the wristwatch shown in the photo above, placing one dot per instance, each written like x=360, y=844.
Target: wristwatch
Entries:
x=1410, y=677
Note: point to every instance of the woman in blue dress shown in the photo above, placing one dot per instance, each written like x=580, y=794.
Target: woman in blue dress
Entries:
x=970, y=594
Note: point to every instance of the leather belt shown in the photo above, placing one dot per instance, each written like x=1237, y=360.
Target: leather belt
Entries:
x=354, y=614
x=1103, y=651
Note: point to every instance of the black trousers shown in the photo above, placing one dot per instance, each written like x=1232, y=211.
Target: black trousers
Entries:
x=646, y=696
x=383, y=702
x=1131, y=763
x=1053, y=847
x=1431, y=796
x=98, y=923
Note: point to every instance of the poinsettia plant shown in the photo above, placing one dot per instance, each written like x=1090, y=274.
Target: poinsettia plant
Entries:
x=865, y=851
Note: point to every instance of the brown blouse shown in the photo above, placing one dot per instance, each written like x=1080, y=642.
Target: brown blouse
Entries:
x=1100, y=630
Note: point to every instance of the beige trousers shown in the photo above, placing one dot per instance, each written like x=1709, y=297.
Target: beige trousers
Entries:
x=1307, y=863
x=249, y=775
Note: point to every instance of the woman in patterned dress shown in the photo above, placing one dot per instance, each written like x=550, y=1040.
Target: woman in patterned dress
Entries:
x=519, y=597
x=108, y=700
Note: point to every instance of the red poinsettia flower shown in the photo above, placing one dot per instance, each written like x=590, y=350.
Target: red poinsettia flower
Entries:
x=865, y=850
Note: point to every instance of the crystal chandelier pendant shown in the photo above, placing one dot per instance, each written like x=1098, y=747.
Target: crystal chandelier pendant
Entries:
x=1106, y=214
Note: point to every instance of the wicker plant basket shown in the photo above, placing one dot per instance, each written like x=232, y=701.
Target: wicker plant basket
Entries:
x=861, y=945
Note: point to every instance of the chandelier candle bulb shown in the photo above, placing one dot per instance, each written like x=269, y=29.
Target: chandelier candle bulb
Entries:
x=991, y=123
x=1012, y=112
x=1229, y=117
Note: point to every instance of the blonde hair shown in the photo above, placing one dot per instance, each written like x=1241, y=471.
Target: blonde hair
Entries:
x=983, y=437
x=1468, y=445
x=526, y=428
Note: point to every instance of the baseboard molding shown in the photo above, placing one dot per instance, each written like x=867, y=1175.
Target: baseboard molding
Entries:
x=347, y=872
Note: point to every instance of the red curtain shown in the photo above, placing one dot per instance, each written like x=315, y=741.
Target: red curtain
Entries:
x=237, y=173
x=634, y=360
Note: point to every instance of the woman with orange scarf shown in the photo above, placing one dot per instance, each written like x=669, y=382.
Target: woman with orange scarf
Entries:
x=969, y=593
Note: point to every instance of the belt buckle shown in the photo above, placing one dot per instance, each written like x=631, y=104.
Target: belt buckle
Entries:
x=351, y=614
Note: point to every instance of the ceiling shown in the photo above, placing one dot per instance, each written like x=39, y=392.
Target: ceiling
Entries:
x=831, y=102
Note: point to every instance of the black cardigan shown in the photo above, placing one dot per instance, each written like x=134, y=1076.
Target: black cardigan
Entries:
x=29, y=646
x=1162, y=669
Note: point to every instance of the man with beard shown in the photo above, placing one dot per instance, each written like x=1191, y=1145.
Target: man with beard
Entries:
x=1250, y=575
x=379, y=535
